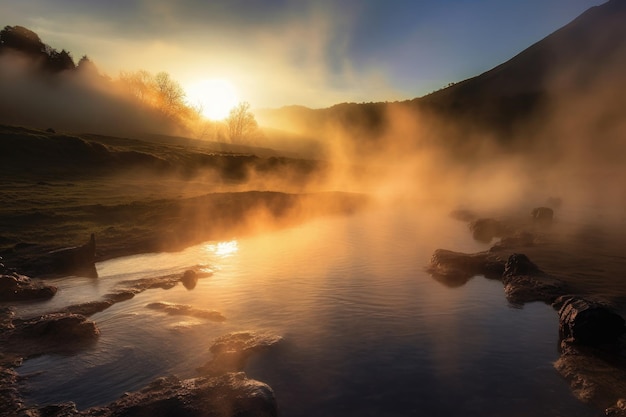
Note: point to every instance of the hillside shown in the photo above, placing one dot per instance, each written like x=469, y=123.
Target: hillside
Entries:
x=517, y=98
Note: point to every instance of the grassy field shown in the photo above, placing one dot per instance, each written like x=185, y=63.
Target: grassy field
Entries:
x=138, y=196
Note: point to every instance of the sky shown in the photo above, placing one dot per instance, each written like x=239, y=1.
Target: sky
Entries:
x=314, y=53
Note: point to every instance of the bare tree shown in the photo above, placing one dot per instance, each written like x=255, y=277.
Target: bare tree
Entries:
x=241, y=123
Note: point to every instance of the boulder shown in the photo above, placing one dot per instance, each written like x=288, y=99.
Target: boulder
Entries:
x=232, y=351
x=189, y=279
x=585, y=322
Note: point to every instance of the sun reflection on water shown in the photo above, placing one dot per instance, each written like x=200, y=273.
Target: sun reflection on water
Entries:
x=223, y=249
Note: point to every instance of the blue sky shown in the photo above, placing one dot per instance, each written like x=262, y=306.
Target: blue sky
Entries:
x=283, y=52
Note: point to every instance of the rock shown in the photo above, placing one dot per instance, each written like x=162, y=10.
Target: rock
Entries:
x=525, y=282
x=88, y=308
x=189, y=279
x=584, y=322
x=519, y=264
x=232, y=351
x=227, y=395
x=16, y=287
x=617, y=410
x=75, y=260
x=543, y=215
x=58, y=327
x=186, y=310
x=484, y=230
x=593, y=379
x=455, y=268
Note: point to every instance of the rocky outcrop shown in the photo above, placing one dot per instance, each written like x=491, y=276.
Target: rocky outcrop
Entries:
x=186, y=310
x=16, y=287
x=525, y=282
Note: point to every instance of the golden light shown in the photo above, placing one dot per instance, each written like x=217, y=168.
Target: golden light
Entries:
x=223, y=249
x=215, y=97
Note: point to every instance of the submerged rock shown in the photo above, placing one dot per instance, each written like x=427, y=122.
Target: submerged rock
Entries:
x=186, y=310
x=16, y=287
x=232, y=351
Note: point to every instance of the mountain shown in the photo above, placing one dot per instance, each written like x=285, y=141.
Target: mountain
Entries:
x=587, y=52
x=577, y=62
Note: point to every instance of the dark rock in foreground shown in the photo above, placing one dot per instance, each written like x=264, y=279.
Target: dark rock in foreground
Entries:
x=228, y=395
x=584, y=322
x=16, y=287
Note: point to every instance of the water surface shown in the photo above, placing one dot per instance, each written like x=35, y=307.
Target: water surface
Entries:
x=367, y=331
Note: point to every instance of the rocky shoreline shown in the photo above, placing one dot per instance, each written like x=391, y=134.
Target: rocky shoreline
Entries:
x=222, y=388
x=592, y=335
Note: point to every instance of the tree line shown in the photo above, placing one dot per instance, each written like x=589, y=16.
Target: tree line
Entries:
x=156, y=91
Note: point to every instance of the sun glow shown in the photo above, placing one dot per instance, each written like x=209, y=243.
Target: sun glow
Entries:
x=215, y=97
x=223, y=249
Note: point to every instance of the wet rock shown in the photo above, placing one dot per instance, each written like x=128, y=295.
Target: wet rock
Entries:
x=484, y=230
x=58, y=327
x=617, y=410
x=525, y=282
x=593, y=377
x=584, y=322
x=89, y=308
x=455, y=268
x=186, y=310
x=79, y=260
x=16, y=287
x=228, y=395
x=189, y=279
x=232, y=351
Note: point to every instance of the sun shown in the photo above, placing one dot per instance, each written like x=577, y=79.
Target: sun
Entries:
x=215, y=97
